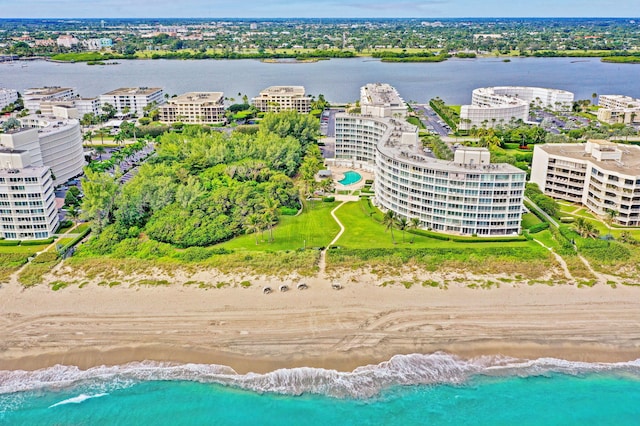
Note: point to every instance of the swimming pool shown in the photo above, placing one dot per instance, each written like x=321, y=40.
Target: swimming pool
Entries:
x=350, y=177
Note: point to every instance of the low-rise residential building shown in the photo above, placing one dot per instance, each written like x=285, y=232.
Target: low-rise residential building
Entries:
x=619, y=109
x=7, y=97
x=67, y=41
x=87, y=106
x=599, y=174
x=194, y=108
x=133, y=99
x=48, y=42
x=381, y=100
x=282, y=98
x=491, y=106
x=27, y=201
x=468, y=195
x=82, y=106
x=97, y=43
x=35, y=96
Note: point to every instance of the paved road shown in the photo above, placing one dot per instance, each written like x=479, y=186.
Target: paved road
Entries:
x=430, y=119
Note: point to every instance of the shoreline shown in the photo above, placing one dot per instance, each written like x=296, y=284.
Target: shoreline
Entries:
x=361, y=324
x=85, y=359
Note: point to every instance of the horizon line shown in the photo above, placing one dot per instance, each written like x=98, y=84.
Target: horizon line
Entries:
x=339, y=17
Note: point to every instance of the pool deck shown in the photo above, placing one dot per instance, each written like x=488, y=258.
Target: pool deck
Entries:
x=338, y=174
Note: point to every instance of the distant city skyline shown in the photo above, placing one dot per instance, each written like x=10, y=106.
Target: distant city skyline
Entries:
x=315, y=9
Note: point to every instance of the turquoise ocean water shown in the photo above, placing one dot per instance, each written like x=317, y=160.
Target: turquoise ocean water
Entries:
x=407, y=390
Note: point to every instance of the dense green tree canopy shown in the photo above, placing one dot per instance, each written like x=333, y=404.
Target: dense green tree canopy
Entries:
x=200, y=188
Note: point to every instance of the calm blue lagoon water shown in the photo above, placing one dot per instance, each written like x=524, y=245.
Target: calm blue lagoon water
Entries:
x=350, y=177
x=407, y=390
x=338, y=79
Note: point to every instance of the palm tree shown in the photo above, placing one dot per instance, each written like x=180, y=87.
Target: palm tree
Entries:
x=102, y=132
x=73, y=213
x=100, y=150
x=326, y=185
x=118, y=138
x=611, y=216
x=88, y=136
x=253, y=225
x=389, y=221
x=270, y=214
x=414, y=223
x=402, y=224
x=585, y=228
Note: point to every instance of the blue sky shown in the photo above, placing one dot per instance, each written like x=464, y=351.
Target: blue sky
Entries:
x=316, y=8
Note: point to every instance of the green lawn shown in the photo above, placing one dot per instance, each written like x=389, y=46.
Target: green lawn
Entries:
x=586, y=214
x=28, y=250
x=529, y=219
x=362, y=232
x=546, y=238
x=313, y=228
x=568, y=208
x=602, y=227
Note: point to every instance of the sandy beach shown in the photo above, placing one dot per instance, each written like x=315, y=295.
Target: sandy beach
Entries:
x=361, y=324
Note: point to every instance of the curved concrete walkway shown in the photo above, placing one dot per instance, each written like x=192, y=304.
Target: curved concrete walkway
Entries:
x=323, y=254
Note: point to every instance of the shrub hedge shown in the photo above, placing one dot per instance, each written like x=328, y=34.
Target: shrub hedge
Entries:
x=76, y=240
x=538, y=227
x=38, y=242
x=461, y=239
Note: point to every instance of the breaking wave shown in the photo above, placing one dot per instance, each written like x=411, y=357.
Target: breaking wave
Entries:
x=363, y=382
x=78, y=399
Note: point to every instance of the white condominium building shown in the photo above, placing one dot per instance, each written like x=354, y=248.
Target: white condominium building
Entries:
x=194, y=108
x=87, y=106
x=381, y=100
x=282, y=98
x=35, y=96
x=540, y=97
x=97, y=43
x=82, y=105
x=51, y=142
x=7, y=97
x=619, y=109
x=601, y=175
x=134, y=99
x=27, y=201
x=465, y=196
x=67, y=41
x=491, y=106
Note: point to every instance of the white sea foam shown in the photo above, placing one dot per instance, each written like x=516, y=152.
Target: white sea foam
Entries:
x=363, y=382
x=78, y=399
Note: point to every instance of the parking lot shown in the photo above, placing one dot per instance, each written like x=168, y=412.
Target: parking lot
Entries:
x=434, y=124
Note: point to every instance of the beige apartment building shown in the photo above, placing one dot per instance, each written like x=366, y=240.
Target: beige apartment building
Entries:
x=194, y=108
x=619, y=109
x=282, y=98
x=598, y=174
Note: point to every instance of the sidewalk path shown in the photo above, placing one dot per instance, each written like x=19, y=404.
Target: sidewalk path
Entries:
x=323, y=254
